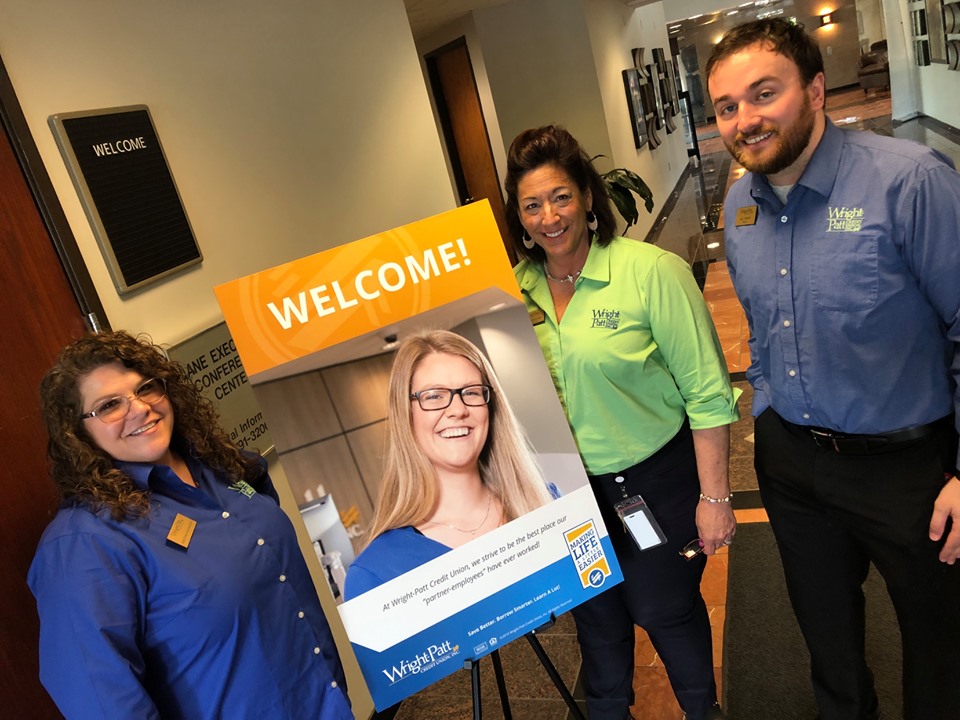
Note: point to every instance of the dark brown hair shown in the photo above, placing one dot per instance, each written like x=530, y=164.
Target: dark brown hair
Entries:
x=83, y=473
x=775, y=34
x=553, y=145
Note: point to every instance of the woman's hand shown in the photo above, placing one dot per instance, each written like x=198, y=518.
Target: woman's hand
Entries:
x=715, y=521
x=716, y=525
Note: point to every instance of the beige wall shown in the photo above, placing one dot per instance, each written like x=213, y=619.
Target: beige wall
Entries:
x=613, y=33
x=290, y=127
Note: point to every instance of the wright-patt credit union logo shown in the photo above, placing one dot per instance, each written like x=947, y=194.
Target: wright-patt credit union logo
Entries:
x=422, y=661
x=583, y=543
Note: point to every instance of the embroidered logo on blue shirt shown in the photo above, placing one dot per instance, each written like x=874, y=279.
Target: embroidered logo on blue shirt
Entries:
x=606, y=319
x=244, y=488
x=844, y=219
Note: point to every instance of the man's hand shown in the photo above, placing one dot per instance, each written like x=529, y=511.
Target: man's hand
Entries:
x=947, y=506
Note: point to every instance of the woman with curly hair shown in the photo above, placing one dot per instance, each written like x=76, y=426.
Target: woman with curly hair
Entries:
x=170, y=583
x=458, y=464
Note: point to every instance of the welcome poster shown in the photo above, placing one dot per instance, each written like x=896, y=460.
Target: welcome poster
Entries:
x=447, y=272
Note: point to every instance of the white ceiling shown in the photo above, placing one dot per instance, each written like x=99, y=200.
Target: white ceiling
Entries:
x=428, y=16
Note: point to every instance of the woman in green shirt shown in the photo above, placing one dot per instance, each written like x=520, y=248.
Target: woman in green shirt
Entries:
x=636, y=362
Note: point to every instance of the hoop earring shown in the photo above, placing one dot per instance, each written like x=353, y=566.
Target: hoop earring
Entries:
x=528, y=242
x=592, y=223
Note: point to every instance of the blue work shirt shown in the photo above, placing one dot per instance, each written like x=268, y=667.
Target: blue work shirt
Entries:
x=133, y=625
x=852, y=289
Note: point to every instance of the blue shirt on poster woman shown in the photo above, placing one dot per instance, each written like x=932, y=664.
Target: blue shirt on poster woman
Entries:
x=867, y=248
x=134, y=626
x=394, y=552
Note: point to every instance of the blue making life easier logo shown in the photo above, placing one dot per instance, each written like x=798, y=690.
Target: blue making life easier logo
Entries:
x=596, y=578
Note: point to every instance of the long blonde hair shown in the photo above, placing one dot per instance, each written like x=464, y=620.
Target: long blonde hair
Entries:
x=409, y=489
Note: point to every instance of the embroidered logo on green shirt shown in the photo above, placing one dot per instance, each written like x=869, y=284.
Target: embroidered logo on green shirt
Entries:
x=244, y=488
x=606, y=319
x=844, y=219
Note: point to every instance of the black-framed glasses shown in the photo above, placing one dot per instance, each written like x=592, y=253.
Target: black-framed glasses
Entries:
x=440, y=398
x=116, y=408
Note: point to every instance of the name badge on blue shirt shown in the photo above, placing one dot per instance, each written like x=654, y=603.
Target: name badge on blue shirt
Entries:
x=747, y=215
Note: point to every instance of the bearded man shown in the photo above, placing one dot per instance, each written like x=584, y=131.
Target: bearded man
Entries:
x=844, y=249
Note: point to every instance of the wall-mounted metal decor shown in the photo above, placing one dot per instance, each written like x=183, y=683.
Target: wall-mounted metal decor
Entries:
x=665, y=87
x=648, y=99
x=951, y=31
x=638, y=121
x=121, y=174
x=918, y=29
x=935, y=31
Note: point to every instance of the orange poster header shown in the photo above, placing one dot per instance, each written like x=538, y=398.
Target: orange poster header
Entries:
x=300, y=307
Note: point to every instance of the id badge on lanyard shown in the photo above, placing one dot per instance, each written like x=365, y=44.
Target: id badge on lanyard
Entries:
x=639, y=522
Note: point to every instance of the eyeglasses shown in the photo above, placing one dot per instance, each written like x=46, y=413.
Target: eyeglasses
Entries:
x=692, y=549
x=440, y=398
x=116, y=408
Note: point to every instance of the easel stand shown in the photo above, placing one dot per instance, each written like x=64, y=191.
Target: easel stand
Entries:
x=541, y=654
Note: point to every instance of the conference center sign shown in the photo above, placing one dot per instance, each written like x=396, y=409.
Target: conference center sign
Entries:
x=446, y=606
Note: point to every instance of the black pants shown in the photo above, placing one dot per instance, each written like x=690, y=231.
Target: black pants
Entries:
x=660, y=591
x=835, y=513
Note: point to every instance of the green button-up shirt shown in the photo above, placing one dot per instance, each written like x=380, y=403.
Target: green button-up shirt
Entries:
x=635, y=353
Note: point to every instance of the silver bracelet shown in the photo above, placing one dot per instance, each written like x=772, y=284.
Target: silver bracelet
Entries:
x=709, y=499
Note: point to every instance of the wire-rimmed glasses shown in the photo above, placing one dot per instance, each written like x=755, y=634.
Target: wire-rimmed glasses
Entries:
x=440, y=398
x=116, y=408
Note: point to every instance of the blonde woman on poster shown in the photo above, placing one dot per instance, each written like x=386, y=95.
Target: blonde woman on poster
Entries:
x=458, y=464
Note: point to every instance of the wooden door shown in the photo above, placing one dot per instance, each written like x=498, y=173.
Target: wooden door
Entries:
x=39, y=314
x=465, y=132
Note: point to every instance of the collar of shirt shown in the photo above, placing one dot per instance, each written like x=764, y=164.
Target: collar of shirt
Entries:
x=161, y=479
x=532, y=279
x=820, y=175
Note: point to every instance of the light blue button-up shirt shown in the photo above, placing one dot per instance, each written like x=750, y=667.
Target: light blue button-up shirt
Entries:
x=852, y=289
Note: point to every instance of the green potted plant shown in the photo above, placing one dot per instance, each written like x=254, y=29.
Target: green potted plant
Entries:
x=621, y=186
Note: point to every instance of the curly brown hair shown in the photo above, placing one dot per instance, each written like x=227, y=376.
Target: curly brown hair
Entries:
x=83, y=473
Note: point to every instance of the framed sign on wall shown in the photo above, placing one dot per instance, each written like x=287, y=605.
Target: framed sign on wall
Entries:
x=121, y=174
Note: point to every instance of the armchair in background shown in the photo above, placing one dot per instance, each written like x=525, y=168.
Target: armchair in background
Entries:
x=874, y=70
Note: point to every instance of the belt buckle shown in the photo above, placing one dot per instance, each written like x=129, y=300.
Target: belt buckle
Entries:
x=819, y=435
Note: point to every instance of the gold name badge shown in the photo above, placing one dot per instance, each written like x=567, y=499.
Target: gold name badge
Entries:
x=182, y=531
x=537, y=317
x=747, y=215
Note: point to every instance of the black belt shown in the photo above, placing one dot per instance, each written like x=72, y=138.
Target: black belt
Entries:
x=846, y=442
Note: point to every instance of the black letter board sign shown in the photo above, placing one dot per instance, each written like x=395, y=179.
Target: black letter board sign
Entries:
x=121, y=174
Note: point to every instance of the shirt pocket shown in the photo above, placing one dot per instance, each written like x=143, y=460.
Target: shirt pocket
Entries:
x=845, y=271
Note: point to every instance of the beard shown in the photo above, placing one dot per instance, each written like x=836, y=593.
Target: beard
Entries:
x=792, y=141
